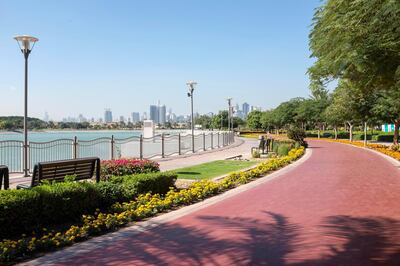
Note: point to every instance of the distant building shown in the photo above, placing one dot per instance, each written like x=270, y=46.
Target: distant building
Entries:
x=46, y=117
x=108, y=116
x=121, y=118
x=144, y=116
x=81, y=118
x=245, y=109
x=162, y=114
x=135, y=117
x=154, y=114
x=388, y=128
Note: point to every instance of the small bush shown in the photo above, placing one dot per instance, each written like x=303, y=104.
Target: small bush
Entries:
x=255, y=154
x=123, y=167
x=283, y=149
x=298, y=135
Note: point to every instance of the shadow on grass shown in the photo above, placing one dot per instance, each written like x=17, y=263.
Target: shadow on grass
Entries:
x=218, y=240
x=188, y=173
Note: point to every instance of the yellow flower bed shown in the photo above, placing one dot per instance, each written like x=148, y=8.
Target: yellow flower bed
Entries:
x=144, y=206
x=377, y=147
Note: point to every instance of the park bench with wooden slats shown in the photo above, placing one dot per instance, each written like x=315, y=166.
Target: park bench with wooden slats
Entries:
x=84, y=168
x=4, y=178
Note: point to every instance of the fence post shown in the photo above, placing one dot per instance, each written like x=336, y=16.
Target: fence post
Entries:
x=162, y=146
x=179, y=144
x=112, y=147
x=212, y=141
x=74, y=148
x=204, y=141
x=141, y=147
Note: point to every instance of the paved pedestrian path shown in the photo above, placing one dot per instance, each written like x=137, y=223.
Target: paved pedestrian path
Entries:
x=339, y=207
x=242, y=146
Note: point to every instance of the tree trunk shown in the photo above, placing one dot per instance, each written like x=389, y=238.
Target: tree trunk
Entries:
x=319, y=133
x=335, y=129
x=350, y=131
x=365, y=134
x=396, y=131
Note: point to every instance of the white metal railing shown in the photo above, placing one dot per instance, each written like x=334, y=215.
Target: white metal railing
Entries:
x=159, y=146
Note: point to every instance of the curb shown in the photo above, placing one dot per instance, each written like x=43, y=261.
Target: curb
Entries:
x=138, y=227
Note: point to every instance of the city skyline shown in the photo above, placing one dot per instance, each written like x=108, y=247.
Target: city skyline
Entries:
x=159, y=110
x=251, y=50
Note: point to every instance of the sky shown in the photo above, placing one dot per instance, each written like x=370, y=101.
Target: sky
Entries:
x=126, y=55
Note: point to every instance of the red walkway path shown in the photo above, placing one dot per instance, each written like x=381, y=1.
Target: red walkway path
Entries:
x=340, y=207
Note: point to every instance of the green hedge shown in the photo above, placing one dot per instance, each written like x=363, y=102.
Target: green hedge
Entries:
x=24, y=211
x=282, y=148
x=383, y=137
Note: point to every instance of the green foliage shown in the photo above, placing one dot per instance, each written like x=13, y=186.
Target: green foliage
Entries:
x=151, y=182
x=283, y=149
x=297, y=134
x=254, y=120
x=17, y=122
x=62, y=203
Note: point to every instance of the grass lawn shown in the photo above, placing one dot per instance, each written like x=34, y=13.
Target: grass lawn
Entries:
x=212, y=169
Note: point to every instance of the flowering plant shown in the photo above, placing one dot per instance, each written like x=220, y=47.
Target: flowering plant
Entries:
x=120, y=167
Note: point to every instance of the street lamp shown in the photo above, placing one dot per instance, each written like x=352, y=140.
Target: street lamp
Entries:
x=229, y=113
x=191, y=85
x=212, y=117
x=26, y=44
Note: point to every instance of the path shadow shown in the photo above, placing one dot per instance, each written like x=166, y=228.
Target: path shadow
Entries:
x=365, y=241
x=218, y=240
x=255, y=242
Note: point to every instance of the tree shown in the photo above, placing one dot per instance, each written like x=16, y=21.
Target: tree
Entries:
x=220, y=120
x=388, y=110
x=356, y=40
x=204, y=120
x=254, y=120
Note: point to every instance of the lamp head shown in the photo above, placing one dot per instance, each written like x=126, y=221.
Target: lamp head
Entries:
x=26, y=43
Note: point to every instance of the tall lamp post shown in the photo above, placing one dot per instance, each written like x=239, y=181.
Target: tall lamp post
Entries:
x=26, y=44
x=229, y=113
x=212, y=117
x=191, y=85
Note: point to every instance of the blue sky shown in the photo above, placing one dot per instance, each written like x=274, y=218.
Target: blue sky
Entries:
x=126, y=55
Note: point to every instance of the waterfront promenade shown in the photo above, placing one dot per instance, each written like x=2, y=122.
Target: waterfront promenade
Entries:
x=336, y=206
x=241, y=146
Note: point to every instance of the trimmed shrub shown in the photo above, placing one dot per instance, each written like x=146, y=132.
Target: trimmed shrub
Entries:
x=24, y=211
x=19, y=211
x=383, y=138
x=123, y=167
x=61, y=202
x=159, y=183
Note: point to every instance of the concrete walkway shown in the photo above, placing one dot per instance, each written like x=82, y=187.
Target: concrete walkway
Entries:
x=242, y=146
x=339, y=207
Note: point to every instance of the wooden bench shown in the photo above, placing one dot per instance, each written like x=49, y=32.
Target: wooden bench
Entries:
x=236, y=157
x=4, y=177
x=84, y=168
